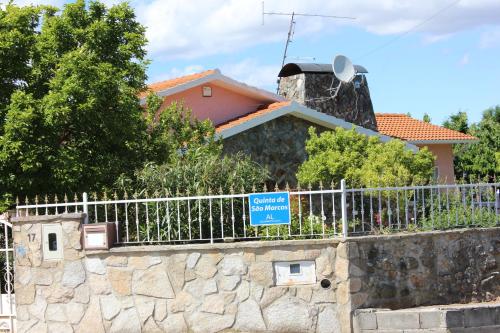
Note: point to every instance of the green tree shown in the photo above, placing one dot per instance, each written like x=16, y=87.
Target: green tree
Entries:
x=17, y=36
x=458, y=122
x=72, y=120
x=427, y=118
x=362, y=160
x=480, y=159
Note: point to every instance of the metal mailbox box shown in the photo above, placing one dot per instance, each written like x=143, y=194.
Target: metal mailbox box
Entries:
x=99, y=236
x=289, y=273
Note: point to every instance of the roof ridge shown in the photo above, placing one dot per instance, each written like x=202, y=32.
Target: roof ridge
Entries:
x=193, y=75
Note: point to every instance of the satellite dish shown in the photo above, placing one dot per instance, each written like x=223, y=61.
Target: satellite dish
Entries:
x=343, y=68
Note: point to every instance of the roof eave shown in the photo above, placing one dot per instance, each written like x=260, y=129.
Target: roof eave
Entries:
x=217, y=76
x=437, y=142
x=308, y=114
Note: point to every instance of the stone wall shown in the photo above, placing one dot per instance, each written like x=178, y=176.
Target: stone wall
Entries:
x=278, y=144
x=428, y=268
x=468, y=318
x=232, y=287
x=312, y=90
x=196, y=288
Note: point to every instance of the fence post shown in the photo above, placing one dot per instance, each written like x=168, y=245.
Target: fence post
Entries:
x=85, y=208
x=344, y=208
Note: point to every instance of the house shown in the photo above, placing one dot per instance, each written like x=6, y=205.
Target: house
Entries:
x=310, y=84
x=437, y=139
x=266, y=126
x=273, y=128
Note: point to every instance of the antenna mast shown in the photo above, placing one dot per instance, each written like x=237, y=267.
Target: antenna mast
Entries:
x=291, y=28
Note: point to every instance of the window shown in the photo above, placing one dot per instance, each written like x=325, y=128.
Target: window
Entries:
x=207, y=91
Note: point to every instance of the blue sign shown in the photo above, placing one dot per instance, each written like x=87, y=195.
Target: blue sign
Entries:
x=269, y=208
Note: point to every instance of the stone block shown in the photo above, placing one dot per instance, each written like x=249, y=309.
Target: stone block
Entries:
x=74, y=274
x=341, y=269
x=116, y=261
x=143, y=262
x=210, y=287
x=327, y=321
x=60, y=328
x=249, y=317
x=477, y=317
x=95, y=265
x=75, y=312
x=289, y=315
x=323, y=267
x=243, y=291
x=126, y=321
x=323, y=296
x=233, y=265
x=110, y=307
x=152, y=282
x=37, y=309
x=160, y=309
x=145, y=307
x=348, y=250
x=205, y=267
x=55, y=312
x=229, y=283
x=454, y=318
x=366, y=320
x=120, y=280
x=174, y=323
x=262, y=273
x=432, y=319
x=271, y=294
x=192, y=260
x=398, y=320
x=25, y=294
x=202, y=322
x=213, y=304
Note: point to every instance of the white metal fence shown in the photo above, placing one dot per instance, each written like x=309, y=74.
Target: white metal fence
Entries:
x=322, y=213
x=7, y=299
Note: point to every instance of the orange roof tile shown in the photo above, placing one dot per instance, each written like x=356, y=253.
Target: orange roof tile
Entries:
x=258, y=113
x=404, y=127
x=162, y=85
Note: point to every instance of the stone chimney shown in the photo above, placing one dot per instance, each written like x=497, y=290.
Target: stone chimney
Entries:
x=309, y=84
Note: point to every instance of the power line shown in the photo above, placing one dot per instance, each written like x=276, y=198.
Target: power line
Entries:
x=403, y=34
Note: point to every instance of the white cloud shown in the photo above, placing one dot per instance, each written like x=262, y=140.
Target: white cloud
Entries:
x=248, y=71
x=191, y=29
x=253, y=73
x=176, y=72
x=490, y=39
x=464, y=60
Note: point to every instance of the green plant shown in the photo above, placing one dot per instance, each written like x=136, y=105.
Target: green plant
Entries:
x=362, y=161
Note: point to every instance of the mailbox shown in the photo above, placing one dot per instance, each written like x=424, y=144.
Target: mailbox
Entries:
x=99, y=236
x=290, y=273
x=52, y=246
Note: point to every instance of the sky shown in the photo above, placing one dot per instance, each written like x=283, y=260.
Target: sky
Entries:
x=427, y=56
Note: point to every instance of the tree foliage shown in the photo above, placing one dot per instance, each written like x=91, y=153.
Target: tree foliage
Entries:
x=362, y=160
x=71, y=116
x=480, y=159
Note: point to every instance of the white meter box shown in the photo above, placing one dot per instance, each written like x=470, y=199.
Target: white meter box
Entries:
x=52, y=245
x=289, y=273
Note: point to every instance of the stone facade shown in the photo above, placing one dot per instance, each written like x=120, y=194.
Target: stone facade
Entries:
x=428, y=268
x=312, y=90
x=232, y=287
x=196, y=288
x=278, y=144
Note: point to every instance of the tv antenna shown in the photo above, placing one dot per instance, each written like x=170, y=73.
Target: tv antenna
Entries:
x=291, y=28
